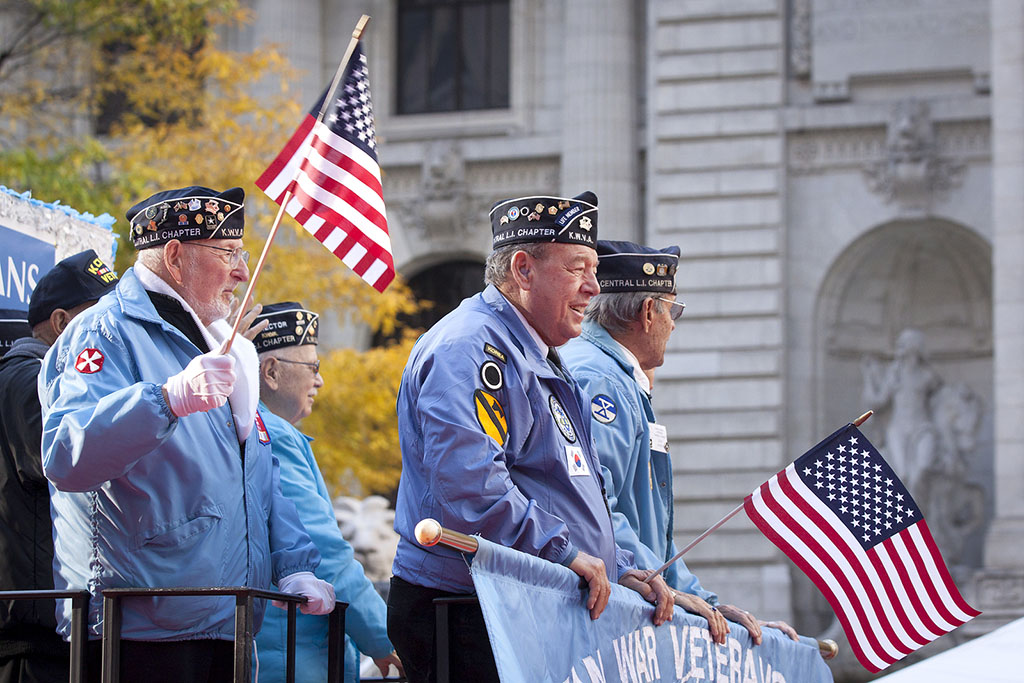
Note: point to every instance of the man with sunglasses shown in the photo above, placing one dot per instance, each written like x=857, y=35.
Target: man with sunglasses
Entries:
x=160, y=467
x=624, y=338
x=289, y=381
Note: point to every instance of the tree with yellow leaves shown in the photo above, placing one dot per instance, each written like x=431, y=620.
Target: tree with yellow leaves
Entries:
x=176, y=111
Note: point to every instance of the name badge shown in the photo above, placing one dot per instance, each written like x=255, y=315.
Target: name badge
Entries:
x=575, y=461
x=659, y=437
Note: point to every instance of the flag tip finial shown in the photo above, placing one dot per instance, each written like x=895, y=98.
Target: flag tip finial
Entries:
x=863, y=418
x=828, y=648
x=427, y=532
x=357, y=33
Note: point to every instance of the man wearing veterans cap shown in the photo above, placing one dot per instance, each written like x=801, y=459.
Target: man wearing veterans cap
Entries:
x=289, y=380
x=30, y=649
x=496, y=439
x=162, y=473
x=623, y=340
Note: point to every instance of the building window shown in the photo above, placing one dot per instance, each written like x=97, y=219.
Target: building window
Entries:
x=444, y=286
x=453, y=55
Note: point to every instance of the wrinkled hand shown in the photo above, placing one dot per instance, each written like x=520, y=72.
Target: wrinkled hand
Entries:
x=656, y=592
x=744, y=619
x=591, y=569
x=318, y=593
x=246, y=328
x=384, y=665
x=717, y=624
x=782, y=626
x=204, y=384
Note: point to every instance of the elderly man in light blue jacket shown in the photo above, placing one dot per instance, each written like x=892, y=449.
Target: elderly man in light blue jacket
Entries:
x=289, y=381
x=160, y=466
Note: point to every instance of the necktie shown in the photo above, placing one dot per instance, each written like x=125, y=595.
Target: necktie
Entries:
x=555, y=362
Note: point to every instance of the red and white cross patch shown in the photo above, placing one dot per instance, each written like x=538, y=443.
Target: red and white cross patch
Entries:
x=89, y=361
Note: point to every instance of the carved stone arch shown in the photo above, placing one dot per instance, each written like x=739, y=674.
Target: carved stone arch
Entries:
x=932, y=275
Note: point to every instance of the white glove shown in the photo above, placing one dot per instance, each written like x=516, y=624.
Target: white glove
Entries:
x=204, y=384
x=319, y=594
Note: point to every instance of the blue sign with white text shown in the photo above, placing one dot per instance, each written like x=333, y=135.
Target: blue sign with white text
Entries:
x=540, y=631
x=23, y=260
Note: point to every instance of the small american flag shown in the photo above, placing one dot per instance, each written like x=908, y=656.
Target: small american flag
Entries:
x=842, y=515
x=331, y=168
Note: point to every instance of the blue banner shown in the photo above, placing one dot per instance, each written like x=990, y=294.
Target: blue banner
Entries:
x=23, y=260
x=540, y=630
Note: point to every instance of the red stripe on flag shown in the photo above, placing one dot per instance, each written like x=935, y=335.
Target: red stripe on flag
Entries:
x=347, y=163
x=912, y=587
x=281, y=160
x=940, y=565
x=863, y=581
x=766, y=527
x=895, y=601
x=345, y=195
x=933, y=595
x=337, y=220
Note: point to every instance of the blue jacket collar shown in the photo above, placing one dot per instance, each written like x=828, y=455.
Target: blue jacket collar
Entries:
x=599, y=337
x=507, y=315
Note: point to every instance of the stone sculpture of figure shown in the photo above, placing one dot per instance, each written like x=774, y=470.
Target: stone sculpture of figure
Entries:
x=368, y=525
x=906, y=387
x=931, y=434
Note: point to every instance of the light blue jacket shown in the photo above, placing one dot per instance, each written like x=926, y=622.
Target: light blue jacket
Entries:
x=495, y=443
x=366, y=616
x=142, y=498
x=639, y=479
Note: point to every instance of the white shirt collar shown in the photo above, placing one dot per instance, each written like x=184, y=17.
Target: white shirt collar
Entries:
x=529, y=328
x=638, y=373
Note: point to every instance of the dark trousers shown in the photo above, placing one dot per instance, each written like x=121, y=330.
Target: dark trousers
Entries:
x=412, y=631
x=34, y=668
x=191, y=661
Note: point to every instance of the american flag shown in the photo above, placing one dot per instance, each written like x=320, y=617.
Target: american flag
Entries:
x=331, y=168
x=844, y=517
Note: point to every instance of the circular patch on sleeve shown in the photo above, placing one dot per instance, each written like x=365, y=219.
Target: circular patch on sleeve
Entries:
x=603, y=409
x=490, y=375
x=89, y=361
x=561, y=419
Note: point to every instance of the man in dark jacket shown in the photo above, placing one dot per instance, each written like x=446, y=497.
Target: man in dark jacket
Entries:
x=30, y=649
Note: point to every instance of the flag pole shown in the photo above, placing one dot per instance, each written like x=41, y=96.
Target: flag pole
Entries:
x=732, y=513
x=357, y=34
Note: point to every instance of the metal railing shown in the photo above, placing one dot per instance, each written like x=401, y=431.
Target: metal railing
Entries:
x=78, y=671
x=245, y=598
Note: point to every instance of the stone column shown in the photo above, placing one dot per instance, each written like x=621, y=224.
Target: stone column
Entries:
x=599, y=112
x=1004, y=548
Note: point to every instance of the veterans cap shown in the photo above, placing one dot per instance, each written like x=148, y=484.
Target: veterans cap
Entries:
x=629, y=267
x=572, y=220
x=13, y=326
x=71, y=282
x=290, y=325
x=191, y=213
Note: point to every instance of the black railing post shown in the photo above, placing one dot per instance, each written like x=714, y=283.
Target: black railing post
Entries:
x=336, y=643
x=243, y=637
x=289, y=646
x=79, y=637
x=441, y=612
x=111, y=664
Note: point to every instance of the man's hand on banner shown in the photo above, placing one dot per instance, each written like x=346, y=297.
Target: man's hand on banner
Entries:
x=251, y=312
x=782, y=626
x=656, y=592
x=591, y=570
x=717, y=624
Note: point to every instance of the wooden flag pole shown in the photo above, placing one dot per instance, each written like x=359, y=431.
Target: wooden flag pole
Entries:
x=732, y=513
x=357, y=34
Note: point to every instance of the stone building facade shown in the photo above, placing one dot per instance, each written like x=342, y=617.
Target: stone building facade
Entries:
x=836, y=172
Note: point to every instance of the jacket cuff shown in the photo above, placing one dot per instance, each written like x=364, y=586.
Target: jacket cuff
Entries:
x=570, y=555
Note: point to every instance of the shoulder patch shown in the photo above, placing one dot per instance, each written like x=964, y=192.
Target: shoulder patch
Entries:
x=603, y=409
x=261, y=430
x=89, y=361
x=491, y=375
x=561, y=419
x=491, y=416
x=495, y=352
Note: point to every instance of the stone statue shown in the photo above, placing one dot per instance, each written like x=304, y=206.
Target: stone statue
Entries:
x=929, y=439
x=368, y=524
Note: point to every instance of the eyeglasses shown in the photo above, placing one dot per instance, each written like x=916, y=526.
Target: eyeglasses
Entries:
x=315, y=365
x=235, y=256
x=674, y=312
